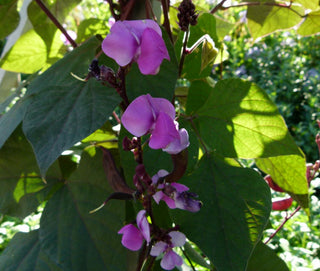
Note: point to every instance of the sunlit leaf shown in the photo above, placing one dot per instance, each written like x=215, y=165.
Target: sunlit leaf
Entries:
x=239, y=120
x=288, y=172
x=265, y=19
x=311, y=25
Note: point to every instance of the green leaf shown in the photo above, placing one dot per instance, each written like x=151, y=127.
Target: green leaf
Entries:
x=263, y=258
x=9, y=17
x=28, y=55
x=65, y=110
x=192, y=64
x=223, y=27
x=22, y=252
x=209, y=53
x=309, y=4
x=159, y=85
x=239, y=120
x=265, y=19
x=75, y=239
x=104, y=137
x=289, y=172
x=311, y=24
x=90, y=27
x=22, y=188
x=10, y=120
x=236, y=207
x=198, y=94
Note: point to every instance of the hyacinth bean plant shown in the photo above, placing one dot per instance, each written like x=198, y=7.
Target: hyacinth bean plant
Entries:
x=139, y=158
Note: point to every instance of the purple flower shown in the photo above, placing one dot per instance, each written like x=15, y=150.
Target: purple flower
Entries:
x=132, y=236
x=156, y=116
x=170, y=258
x=139, y=41
x=175, y=195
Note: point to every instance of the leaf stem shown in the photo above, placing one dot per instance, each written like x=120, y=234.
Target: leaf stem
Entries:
x=183, y=50
x=188, y=259
x=282, y=224
x=56, y=22
x=166, y=22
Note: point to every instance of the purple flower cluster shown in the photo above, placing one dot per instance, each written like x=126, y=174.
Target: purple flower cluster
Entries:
x=176, y=196
x=139, y=41
x=155, y=116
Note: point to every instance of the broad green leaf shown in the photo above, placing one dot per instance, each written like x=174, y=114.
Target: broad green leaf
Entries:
x=159, y=85
x=223, y=27
x=11, y=119
x=22, y=188
x=239, y=120
x=75, y=239
x=265, y=19
x=192, y=64
x=28, y=55
x=309, y=4
x=236, y=206
x=61, y=116
x=104, y=137
x=22, y=252
x=9, y=17
x=198, y=94
x=263, y=258
x=90, y=27
x=311, y=24
x=65, y=110
x=289, y=172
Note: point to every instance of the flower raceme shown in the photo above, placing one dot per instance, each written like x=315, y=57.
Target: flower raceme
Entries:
x=137, y=40
x=156, y=116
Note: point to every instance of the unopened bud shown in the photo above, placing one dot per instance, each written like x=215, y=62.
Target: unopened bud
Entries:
x=187, y=14
x=108, y=75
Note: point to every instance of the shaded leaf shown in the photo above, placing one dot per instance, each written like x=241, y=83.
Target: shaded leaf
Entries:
x=9, y=17
x=239, y=120
x=75, y=239
x=263, y=258
x=192, y=64
x=65, y=110
x=22, y=188
x=236, y=207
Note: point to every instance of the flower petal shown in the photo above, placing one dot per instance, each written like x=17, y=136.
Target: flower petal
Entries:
x=161, y=173
x=138, y=26
x=161, y=105
x=138, y=117
x=132, y=238
x=143, y=225
x=180, y=187
x=158, y=248
x=120, y=44
x=163, y=133
x=152, y=52
x=178, y=144
x=170, y=260
x=178, y=239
